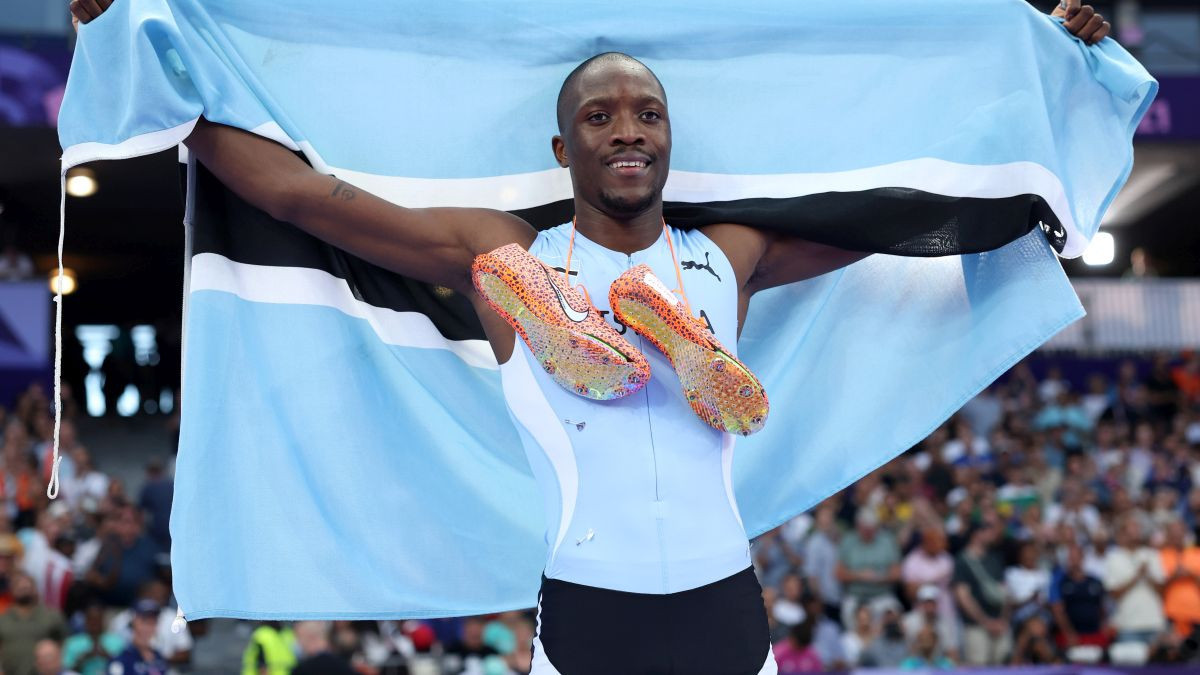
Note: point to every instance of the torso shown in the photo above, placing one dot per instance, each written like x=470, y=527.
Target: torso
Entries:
x=637, y=491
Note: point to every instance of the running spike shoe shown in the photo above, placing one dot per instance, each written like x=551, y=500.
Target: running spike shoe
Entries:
x=564, y=332
x=722, y=391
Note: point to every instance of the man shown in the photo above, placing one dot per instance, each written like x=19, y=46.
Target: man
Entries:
x=47, y=659
x=868, y=563
x=1077, y=601
x=1133, y=575
x=1181, y=565
x=24, y=624
x=926, y=613
x=820, y=560
x=126, y=560
x=647, y=549
x=979, y=590
x=316, y=654
x=90, y=651
x=139, y=658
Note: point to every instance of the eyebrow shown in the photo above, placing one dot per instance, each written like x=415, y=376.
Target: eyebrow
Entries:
x=605, y=100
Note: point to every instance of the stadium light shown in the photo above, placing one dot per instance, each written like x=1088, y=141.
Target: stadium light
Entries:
x=81, y=182
x=1101, y=250
x=68, y=281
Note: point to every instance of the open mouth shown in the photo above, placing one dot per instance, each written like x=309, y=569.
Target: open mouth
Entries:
x=632, y=166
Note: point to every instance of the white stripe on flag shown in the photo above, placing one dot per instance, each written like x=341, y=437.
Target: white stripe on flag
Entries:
x=306, y=286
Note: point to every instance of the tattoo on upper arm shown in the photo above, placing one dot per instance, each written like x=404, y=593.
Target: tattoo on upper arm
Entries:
x=343, y=190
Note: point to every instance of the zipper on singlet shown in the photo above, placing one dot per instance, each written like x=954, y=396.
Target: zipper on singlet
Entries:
x=659, y=509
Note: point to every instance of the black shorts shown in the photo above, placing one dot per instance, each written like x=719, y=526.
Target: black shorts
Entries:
x=716, y=629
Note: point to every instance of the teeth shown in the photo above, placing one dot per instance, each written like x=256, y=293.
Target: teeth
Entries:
x=631, y=164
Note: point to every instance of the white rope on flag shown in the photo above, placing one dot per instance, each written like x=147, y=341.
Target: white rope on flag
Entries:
x=52, y=488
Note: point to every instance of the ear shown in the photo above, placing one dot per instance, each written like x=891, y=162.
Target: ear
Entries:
x=559, y=146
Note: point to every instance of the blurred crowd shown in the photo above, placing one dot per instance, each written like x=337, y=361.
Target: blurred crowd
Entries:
x=1046, y=522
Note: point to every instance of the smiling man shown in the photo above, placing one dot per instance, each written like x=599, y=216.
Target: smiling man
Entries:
x=648, y=567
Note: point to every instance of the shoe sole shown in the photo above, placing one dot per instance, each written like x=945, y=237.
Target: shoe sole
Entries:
x=593, y=361
x=721, y=391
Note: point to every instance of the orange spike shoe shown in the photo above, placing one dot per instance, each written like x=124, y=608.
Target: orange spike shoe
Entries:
x=722, y=391
x=564, y=332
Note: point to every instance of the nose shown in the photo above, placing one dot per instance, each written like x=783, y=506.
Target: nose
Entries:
x=627, y=131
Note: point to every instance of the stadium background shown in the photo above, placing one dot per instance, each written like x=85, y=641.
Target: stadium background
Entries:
x=1076, y=471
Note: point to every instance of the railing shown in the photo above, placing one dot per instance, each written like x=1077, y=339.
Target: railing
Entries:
x=1134, y=315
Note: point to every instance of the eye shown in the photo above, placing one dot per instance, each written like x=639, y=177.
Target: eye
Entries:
x=651, y=115
x=598, y=117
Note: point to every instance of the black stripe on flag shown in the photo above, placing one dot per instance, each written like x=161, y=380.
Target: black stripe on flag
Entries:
x=898, y=221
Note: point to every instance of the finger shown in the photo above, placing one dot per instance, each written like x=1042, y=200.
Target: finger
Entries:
x=104, y=4
x=79, y=12
x=1070, y=6
x=1090, y=28
x=1101, y=33
x=1080, y=19
x=92, y=7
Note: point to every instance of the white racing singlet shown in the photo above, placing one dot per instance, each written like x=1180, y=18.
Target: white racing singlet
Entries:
x=637, y=491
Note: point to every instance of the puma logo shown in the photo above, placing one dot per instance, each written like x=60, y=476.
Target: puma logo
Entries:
x=693, y=265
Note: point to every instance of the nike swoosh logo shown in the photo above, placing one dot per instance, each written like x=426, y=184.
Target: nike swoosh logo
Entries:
x=572, y=314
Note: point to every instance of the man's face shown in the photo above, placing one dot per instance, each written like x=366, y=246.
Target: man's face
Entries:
x=617, y=139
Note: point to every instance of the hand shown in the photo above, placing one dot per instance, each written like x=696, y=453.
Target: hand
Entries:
x=1082, y=21
x=996, y=627
x=83, y=11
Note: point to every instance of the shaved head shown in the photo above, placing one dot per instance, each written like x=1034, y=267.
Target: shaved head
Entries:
x=567, y=97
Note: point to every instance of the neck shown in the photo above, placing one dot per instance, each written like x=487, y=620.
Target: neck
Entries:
x=626, y=234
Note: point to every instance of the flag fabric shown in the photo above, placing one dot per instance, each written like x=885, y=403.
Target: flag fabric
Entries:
x=345, y=450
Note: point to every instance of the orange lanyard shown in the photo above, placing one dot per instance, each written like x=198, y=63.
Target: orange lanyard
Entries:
x=674, y=259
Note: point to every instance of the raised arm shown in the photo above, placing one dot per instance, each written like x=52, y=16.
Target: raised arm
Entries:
x=435, y=245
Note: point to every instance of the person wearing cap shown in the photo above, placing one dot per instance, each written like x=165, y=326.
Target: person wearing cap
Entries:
x=926, y=613
x=139, y=658
x=868, y=563
x=316, y=654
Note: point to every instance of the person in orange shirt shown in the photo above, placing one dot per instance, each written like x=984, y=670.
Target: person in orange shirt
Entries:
x=1181, y=564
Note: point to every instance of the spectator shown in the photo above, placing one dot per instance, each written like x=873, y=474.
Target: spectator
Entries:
x=1181, y=567
x=1133, y=575
x=469, y=652
x=979, y=590
x=50, y=569
x=139, y=657
x=930, y=565
x=788, y=608
x=1077, y=601
x=889, y=649
x=155, y=500
x=24, y=624
x=821, y=558
x=89, y=652
x=925, y=653
x=10, y=551
x=926, y=612
x=868, y=563
x=47, y=659
x=316, y=655
x=1027, y=583
x=272, y=648
x=174, y=645
x=1033, y=646
x=861, y=635
x=826, y=636
x=126, y=560
x=795, y=653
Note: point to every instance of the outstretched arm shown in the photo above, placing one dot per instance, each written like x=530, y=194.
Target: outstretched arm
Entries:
x=435, y=245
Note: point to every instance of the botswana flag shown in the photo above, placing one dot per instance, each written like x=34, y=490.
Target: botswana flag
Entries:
x=345, y=451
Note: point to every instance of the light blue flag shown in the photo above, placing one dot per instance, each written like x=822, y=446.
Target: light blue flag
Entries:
x=345, y=450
